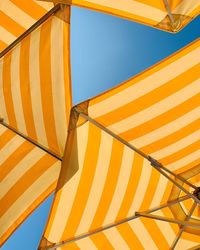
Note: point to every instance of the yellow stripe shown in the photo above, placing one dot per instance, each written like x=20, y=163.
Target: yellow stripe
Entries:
x=131, y=187
x=151, y=98
x=67, y=68
x=162, y=119
x=151, y=189
x=85, y=183
x=101, y=241
x=24, y=182
x=19, y=16
x=130, y=9
x=31, y=8
x=142, y=234
x=25, y=88
x=5, y=138
x=110, y=184
x=11, y=25
x=71, y=246
x=22, y=208
x=155, y=233
x=181, y=153
x=156, y=4
x=129, y=236
x=67, y=186
x=98, y=183
x=7, y=91
x=12, y=161
x=27, y=212
x=59, y=86
x=45, y=85
x=174, y=58
x=3, y=45
x=172, y=138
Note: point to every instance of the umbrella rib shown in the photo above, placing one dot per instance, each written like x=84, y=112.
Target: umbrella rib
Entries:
x=112, y=134
x=153, y=162
x=110, y=226
x=169, y=11
x=177, y=184
x=168, y=204
x=183, y=227
x=30, y=140
x=32, y=28
x=175, y=175
x=162, y=218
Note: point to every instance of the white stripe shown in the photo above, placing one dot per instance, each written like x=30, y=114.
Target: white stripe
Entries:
x=58, y=83
x=186, y=244
x=144, y=86
x=116, y=239
x=165, y=228
x=19, y=170
x=36, y=98
x=10, y=147
x=16, y=14
x=123, y=179
x=3, y=113
x=141, y=188
x=16, y=92
x=167, y=129
x=186, y=7
x=86, y=244
x=28, y=197
x=133, y=7
x=160, y=191
x=178, y=145
x=157, y=109
x=68, y=191
x=98, y=183
x=2, y=129
x=142, y=234
x=184, y=161
x=6, y=36
x=47, y=6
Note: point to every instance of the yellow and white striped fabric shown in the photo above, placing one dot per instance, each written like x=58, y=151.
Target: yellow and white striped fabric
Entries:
x=16, y=16
x=27, y=176
x=149, y=12
x=104, y=182
x=134, y=235
x=35, y=101
x=158, y=110
x=35, y=92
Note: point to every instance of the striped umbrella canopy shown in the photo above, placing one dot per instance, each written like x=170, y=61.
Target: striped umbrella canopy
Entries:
x=17, y=15
x=116, y=156
x=170, y=15
x=35, y=102
x=131, y=173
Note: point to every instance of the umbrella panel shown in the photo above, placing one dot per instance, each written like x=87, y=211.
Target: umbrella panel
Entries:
x=28, y=176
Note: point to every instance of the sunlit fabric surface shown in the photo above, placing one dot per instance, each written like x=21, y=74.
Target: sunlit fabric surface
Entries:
x=28, y=175
x=17, y=16
x=151, y=12
x=104, y=182
x=35, y=92
x=35, y=102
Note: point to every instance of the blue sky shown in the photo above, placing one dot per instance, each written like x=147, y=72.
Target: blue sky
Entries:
x=105, y=50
